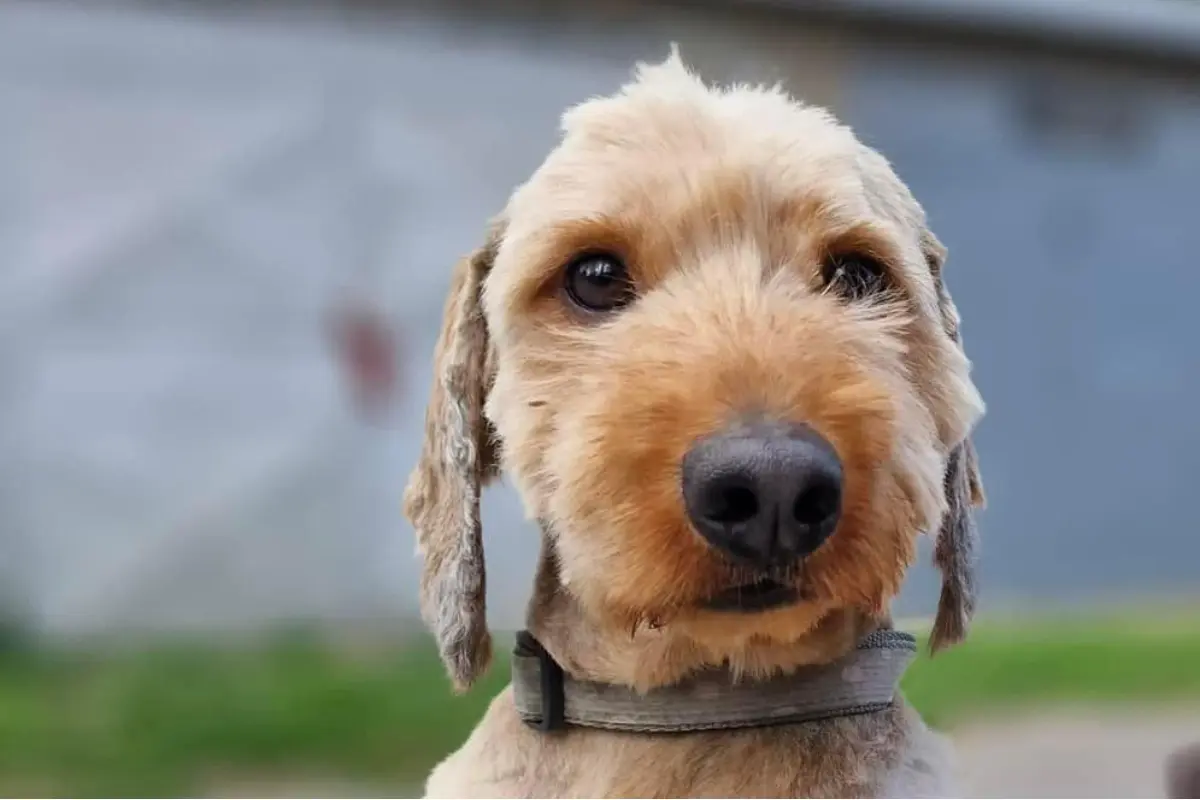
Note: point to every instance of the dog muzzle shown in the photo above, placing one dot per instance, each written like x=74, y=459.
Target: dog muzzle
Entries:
x=859, y=683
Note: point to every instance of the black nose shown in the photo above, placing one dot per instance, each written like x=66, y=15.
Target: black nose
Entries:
x=765, y=494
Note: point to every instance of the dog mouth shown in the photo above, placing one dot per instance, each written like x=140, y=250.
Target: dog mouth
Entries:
x=759, y=595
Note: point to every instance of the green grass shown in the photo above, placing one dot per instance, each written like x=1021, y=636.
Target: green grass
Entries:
x=173, y=719
x=1011, y=666
x=165, y=721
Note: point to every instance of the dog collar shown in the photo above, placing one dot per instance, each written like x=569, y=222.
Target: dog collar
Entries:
x=860, y=682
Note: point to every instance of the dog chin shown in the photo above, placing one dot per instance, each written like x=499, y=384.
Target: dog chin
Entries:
x=760, y=595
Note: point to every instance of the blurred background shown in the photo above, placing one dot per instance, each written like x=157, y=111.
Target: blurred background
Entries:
x=225, y=234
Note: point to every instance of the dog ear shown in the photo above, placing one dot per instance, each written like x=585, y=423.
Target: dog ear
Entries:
x=458, y=457
x=957, y=538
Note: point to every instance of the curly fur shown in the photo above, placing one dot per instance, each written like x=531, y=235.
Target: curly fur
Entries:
x=723, y=202
x=458, y=458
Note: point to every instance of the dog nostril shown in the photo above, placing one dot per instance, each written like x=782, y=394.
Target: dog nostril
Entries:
x=816, y=504
x=732, y=504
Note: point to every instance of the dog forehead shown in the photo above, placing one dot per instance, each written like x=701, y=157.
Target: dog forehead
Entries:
x=668, y=105
x=670, y=157
x=667, y=134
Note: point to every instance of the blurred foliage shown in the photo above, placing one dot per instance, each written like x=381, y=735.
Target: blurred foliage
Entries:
x=187, y=718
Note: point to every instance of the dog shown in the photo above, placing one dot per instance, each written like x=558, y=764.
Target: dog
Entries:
x=710, y=343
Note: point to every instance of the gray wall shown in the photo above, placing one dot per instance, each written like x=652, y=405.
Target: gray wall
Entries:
x=181, y=197
x=1073, y=238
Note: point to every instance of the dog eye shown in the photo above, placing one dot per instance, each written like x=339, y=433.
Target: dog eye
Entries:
x=854, y=276
x=598, y=282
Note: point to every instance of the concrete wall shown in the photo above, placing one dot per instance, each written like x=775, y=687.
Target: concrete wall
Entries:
x=1067, y=197
x=180, y=197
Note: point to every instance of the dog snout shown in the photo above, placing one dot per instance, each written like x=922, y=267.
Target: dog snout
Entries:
x=766, y=495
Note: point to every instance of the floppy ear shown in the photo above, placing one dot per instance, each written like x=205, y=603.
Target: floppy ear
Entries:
x=954, y=551
x=457, y=458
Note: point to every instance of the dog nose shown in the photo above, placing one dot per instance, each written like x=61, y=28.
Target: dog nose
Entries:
x=765, y=494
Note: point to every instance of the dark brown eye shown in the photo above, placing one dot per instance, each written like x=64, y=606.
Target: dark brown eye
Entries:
x=598, y=282
x=854, y=276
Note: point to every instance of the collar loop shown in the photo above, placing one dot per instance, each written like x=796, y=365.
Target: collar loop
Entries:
x=551, y=683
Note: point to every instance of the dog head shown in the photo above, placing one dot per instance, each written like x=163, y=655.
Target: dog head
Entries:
x=710, y=341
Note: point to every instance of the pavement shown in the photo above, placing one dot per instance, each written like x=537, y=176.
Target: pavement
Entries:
x=1080, y=753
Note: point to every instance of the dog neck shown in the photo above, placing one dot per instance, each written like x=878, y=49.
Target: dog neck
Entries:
x=649, y=657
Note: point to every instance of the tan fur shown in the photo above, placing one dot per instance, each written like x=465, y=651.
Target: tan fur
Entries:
x=891, y=753
x=458, y=457
x=723, y=203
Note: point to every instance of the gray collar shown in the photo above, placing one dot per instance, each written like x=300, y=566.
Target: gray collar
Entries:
x=860, y=682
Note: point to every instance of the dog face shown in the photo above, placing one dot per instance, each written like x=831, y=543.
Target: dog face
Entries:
x=710, y=342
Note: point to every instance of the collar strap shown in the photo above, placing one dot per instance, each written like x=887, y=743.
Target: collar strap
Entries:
x=862, y=681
